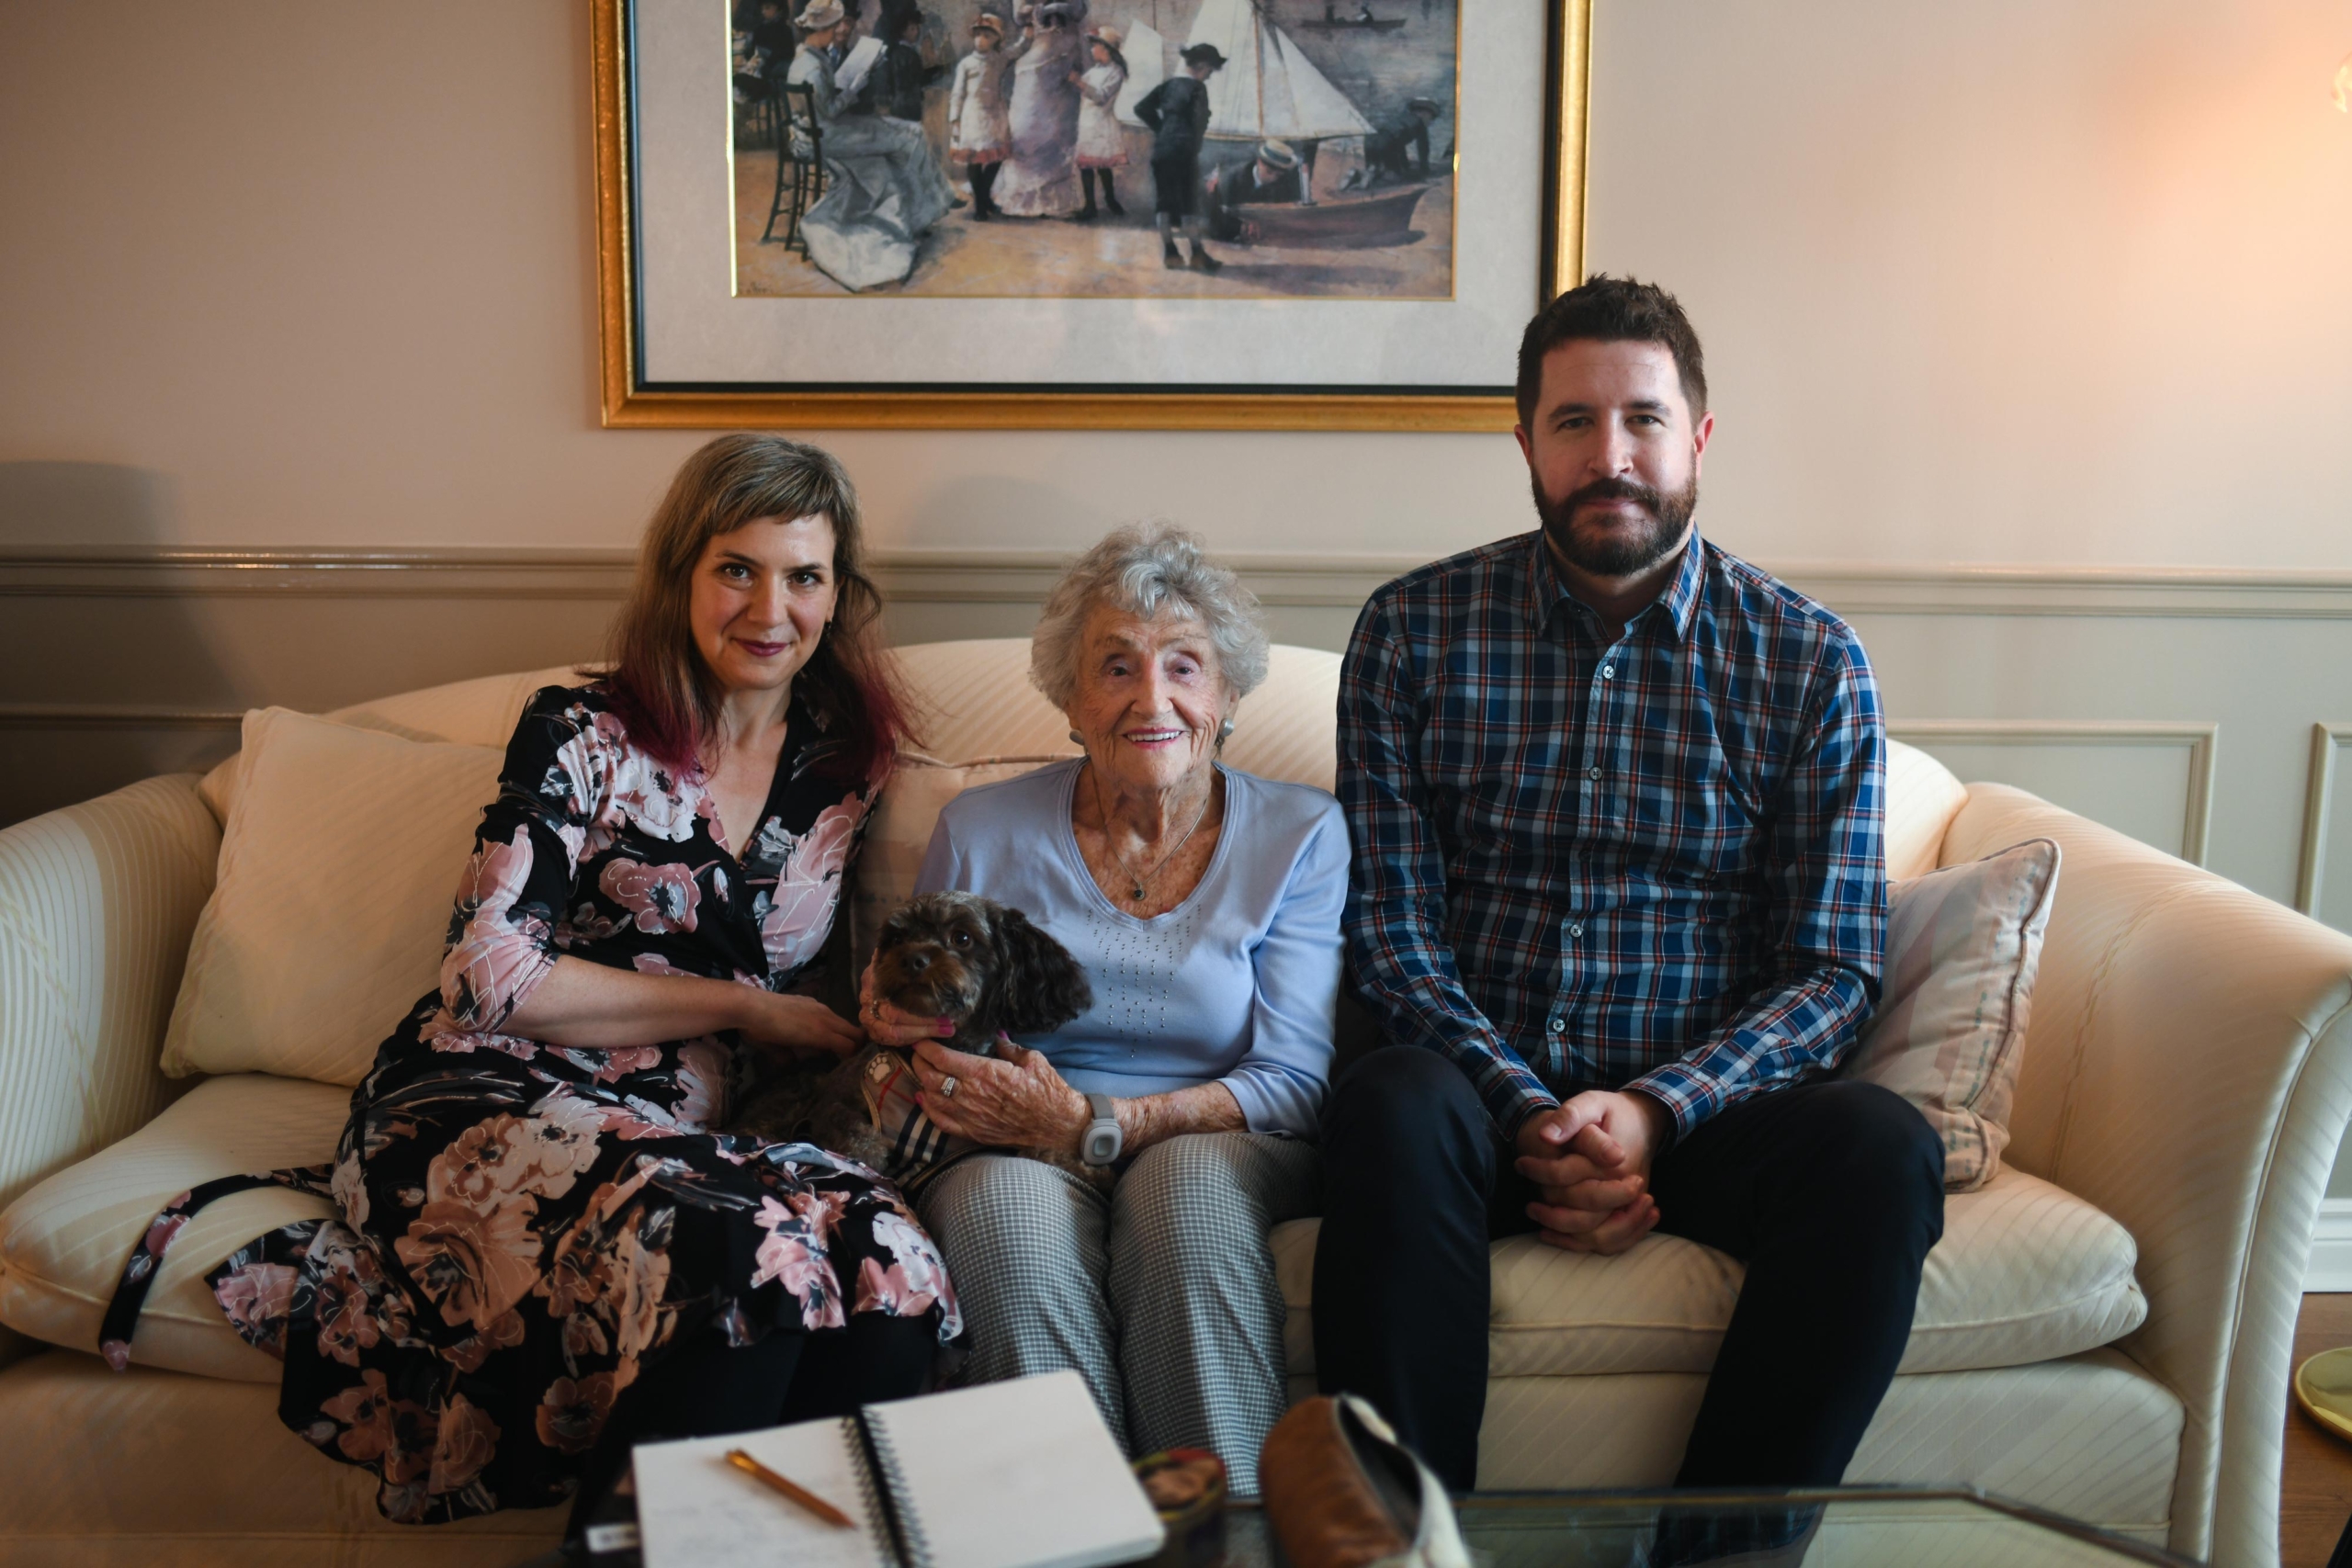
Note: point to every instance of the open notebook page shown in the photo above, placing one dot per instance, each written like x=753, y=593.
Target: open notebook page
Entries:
x=694, y=1509
x=1019, y=1475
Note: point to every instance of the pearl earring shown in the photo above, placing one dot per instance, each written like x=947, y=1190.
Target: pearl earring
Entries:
x=1076, y=739
x=1224, y=733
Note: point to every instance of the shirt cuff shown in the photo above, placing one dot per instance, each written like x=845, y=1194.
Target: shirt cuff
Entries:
x=1517, y=1102
x=1690, y=1096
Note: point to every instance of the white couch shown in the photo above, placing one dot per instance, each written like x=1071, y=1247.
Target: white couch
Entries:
x=2104, y=1330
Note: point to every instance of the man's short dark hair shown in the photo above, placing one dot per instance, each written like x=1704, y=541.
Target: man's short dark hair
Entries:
x=1612, y=310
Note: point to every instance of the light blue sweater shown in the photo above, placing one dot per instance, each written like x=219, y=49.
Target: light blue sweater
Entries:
x=1238, y=984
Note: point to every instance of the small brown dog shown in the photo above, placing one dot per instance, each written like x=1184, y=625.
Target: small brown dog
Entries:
x=953, y=955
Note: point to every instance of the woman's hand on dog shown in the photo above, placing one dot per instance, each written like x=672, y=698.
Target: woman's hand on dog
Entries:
x=886, y=1025
x=800, y=1022
x=1013, y=1099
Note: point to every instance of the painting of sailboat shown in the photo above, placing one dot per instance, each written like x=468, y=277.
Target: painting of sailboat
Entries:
x=1326, y=169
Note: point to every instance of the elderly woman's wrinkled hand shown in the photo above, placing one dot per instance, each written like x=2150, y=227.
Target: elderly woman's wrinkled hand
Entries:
x=1015, y=1100
x=887, y=1025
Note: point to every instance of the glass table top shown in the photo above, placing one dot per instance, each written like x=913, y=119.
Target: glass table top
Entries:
x=1848, y=1528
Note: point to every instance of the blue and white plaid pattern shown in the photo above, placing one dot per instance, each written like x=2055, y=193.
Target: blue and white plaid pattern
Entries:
x=1653, y=863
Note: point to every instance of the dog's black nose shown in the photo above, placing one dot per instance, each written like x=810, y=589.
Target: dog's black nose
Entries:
x=918, y=961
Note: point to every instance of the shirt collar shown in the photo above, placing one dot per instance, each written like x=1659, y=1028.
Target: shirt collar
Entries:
x=1680, y=600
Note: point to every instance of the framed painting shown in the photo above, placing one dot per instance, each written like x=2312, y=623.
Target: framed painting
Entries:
x=1202, y=214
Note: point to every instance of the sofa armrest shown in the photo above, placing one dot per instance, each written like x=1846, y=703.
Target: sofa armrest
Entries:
x=96, y=905
x=2188, y=1070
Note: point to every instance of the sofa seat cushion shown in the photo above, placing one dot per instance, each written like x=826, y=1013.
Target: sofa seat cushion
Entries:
x=63, y=1245
x=2025, y=1272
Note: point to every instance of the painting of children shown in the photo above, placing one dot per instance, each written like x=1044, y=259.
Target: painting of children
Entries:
x=1177, y=113
x=979, y=132
x=1129, y=149
x=1101, y=140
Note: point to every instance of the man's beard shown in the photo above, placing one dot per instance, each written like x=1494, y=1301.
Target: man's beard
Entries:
x=1617, y=554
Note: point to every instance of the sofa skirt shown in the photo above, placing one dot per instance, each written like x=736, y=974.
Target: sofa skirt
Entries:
x=128, y=1470
x=2091, y=1436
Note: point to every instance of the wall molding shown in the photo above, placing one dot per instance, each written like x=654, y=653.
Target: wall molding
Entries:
x=2319, y=795
x=2203, y=742
x=1856, y=588
x=2329, y=1268
x=114, y=715
x=457, y=573
x=1320, y=580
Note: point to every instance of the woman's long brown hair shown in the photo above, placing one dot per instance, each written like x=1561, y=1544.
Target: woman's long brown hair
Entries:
x=660, y=687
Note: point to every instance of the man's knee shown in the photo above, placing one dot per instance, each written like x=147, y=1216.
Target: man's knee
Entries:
x=1401, y=1094
x=1879, y=1151
x=1406, y=1136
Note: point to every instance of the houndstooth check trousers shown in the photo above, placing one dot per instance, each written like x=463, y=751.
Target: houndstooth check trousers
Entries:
x=1162, y=1295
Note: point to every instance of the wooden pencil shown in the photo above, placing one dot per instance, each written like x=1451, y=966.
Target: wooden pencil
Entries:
x=791, y=1489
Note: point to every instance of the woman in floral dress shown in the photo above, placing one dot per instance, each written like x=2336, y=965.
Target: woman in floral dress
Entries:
x=544, y=1251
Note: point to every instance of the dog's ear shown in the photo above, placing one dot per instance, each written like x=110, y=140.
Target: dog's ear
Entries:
x=1038, y=984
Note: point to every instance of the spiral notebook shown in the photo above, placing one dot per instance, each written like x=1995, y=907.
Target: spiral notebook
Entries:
x=1019, y=1475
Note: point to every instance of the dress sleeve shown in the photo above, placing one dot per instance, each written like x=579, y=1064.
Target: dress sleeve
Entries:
x=1281, y=1080
x=824, y=95
x=1102, y=94
x=518, y=883
x=958, y=86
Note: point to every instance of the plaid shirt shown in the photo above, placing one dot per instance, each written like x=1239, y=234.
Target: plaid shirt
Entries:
x=1651, y=864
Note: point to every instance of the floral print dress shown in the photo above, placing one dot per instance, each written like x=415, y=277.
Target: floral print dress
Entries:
x=525, y=1228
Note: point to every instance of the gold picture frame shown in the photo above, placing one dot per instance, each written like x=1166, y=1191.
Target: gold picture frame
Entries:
x=629, y=401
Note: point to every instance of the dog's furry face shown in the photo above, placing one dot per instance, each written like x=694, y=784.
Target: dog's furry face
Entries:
x=960, y=956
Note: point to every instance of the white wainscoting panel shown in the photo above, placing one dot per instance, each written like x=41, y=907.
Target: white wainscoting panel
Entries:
x=2331, y=1265
x=2153, y=781
x=2328, y=832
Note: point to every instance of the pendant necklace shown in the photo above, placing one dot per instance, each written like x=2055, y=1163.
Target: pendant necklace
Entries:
x=1139, y=885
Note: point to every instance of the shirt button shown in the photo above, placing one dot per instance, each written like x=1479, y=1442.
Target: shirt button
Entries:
x=1559, y=1026
x=1593, y=774
x=1575, y=931
x=1609, y=672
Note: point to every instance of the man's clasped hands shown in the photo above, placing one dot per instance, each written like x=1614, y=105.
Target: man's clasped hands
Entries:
x=1589, y=1159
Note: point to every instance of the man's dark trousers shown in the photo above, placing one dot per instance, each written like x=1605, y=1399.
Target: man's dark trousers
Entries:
x=1830, y=1192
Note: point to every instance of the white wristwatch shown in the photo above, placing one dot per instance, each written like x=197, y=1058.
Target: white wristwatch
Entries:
x=1102, y=1141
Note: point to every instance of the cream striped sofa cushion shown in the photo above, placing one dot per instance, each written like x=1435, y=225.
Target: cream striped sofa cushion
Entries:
x=2025, y=1272
x=62, y=1244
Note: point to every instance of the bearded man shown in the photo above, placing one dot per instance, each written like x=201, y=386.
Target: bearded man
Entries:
x=1619, y=903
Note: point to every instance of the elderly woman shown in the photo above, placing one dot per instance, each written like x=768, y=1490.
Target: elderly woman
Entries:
x=544, y=1249
x=1205, y=903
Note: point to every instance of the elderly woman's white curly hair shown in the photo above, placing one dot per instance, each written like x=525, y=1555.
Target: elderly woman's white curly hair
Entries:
x=1149, y=569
